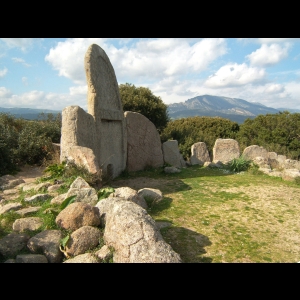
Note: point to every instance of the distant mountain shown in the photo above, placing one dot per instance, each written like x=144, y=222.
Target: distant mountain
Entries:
x=291, y=110
x=235, y=109
x=28, y=113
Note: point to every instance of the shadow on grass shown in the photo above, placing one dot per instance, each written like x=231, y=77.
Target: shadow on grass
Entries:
x=188, y=244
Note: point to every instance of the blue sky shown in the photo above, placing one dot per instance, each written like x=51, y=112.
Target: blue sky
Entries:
x=49, y=72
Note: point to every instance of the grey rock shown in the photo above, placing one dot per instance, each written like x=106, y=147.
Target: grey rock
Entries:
x=144, y=148
x=76, y=215
x=47, y=242
x=83, y=239
x=12, y=243
x=31, y=258
x=131, y=195
x=84, y=258
x=30, y=223
x=9, y=207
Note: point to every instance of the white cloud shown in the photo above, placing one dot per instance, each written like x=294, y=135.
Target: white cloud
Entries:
x=21, y=61
x=40, y=99
x=4, y=92
x=68, y=57
x=78, y=90
x=274, y=88
x=234, y=74
x=22, y=43
x=151, y=59
x=3, y=72
x=268, y=55
x=276, y=40
x=158, y=58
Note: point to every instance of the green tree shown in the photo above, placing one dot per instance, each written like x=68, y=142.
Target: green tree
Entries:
x=275, y=132
x=142, y=100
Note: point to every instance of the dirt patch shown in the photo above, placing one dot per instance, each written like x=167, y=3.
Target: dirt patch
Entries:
x=30, y=173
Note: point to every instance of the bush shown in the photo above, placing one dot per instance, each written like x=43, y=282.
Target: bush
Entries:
x=239, y=164
x=26, y=141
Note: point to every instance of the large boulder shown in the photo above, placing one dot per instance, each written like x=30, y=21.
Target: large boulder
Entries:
x=199, y=154
x=225, y=150
x=76, y=215
x=144, y=147
x=172, y=155
x=133, y=234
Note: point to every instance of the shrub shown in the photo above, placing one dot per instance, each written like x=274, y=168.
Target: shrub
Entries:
x=239, y=164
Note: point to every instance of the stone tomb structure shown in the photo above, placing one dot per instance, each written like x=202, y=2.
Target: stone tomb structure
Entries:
x=102, y=129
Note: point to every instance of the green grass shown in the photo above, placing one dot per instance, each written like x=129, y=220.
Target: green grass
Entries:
x=216, y=216
x=222, y=217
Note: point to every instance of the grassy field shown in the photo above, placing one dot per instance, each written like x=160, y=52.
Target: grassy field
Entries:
x=213, y=215
x=219, y=217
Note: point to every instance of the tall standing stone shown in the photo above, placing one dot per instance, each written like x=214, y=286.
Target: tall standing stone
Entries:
x=105, y=105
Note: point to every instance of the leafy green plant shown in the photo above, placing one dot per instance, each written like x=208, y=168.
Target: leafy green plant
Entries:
x=67, y=201
x=239, y=164
x=56, y=170
x=105, y=192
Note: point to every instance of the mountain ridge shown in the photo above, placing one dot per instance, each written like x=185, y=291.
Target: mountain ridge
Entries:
x=235, y=109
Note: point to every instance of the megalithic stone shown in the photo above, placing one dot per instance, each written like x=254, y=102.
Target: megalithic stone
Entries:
x=105, y=105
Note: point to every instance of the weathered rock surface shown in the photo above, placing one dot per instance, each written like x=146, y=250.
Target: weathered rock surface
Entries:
x=83, y=239
x=76, y=215
x=30, y=223
x=254, y=151
x=144, y=148
x=47, y=242
x=154, y=195
x=225, y=150
x=31, y=258
x=84, y=258
x=9, y=207
x=172, y=155
x=131, y=231
x=13, y=243
x=130, y=194
x=199, y=154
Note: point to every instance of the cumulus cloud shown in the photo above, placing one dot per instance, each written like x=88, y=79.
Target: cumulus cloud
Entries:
x=268, y=55
x=276, y=40
x=68, y=57
x=151, y=59
x=159, y=58
x=234, y=74
x=40, y=99
x=4, y=92
x=274, y=88
x=21, y=61
x=78, y=90
x=3, y=72
x=22, y=43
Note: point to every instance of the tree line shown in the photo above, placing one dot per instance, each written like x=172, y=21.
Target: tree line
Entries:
x=30, y=142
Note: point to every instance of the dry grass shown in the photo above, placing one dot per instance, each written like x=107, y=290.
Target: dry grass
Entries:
x=219, y=217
